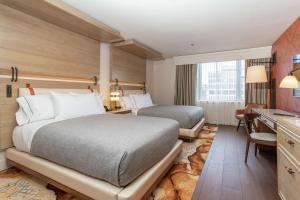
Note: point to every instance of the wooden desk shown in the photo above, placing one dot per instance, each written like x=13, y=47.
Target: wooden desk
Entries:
x=268, y=121
x=288, y=150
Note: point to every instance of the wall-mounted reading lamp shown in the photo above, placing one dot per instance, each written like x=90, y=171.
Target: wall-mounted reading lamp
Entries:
x=291, y=81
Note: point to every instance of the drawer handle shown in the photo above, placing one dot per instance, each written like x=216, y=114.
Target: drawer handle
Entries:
x=290, y=142
x=289, y=170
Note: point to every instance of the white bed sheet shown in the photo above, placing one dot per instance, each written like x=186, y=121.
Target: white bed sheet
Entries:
x=23, y=135
x=134, y=111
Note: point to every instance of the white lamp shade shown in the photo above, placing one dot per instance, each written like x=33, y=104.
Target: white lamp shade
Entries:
x=256, y=74
x=289, y=81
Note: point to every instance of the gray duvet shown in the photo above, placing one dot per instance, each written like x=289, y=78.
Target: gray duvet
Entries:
x=187, y=116
x=114, y=148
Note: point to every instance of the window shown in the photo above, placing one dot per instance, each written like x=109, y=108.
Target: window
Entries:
x=221, y=81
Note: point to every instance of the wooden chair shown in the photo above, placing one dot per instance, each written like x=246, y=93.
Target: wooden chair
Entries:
x=258, y=138
x=239, y=114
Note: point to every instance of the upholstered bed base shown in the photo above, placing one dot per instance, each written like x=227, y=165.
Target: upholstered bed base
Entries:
x=91, y=187
x=193, y=132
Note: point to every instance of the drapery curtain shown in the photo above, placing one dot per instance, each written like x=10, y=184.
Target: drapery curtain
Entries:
x=259, y=93
x=185, y=84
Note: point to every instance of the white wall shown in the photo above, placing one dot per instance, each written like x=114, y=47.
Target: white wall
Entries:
x=260, y=52
x=160, y=75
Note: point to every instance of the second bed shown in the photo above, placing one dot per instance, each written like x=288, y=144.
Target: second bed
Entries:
x=190, y=118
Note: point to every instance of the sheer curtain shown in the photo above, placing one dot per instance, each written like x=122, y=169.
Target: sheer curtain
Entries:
x=221, y=90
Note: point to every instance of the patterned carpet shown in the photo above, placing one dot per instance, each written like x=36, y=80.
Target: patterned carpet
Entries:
x=178, y=184
x=181, y=180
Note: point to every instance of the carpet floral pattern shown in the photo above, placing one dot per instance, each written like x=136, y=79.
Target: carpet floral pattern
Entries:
x=178, y=184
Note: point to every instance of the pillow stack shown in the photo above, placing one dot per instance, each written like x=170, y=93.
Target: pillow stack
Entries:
x=136, y=101
x=34, y=108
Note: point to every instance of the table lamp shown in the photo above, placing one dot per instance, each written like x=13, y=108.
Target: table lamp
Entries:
x=256, y=74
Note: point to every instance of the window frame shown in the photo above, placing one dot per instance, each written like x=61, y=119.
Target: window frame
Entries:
x=240, y=79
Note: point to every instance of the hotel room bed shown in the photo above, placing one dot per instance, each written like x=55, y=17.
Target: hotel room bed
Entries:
x=186, y=116
x=190, y=118
x=88, y=187
x=107, y=147
x=99, y=156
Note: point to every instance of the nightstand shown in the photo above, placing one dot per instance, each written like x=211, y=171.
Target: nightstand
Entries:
x=120, y=111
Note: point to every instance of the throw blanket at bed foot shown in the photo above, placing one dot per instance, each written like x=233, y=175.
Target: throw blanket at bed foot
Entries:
x=181, y=180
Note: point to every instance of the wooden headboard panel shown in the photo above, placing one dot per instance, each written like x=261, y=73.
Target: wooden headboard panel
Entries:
x=127, y=67
x=9, y=105
x=41, y=49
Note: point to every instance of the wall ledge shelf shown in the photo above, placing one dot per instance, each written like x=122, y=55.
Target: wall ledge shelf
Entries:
x=63, y=15
x=138, y=49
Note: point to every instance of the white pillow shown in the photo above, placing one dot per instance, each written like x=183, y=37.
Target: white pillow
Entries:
x=24, y=113
x=41, y=107
x=141, y=100
x=21, y=117
x=34, y=108
x=76, y=105
x=126, y=102
x=98, y=97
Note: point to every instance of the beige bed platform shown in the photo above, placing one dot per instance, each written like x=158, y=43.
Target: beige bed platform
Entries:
x=88, y=187
x=192, y=133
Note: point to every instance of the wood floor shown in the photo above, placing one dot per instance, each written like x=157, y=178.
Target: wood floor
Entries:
x=226, y=176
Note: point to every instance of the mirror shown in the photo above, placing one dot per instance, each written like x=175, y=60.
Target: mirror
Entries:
x=296, y=64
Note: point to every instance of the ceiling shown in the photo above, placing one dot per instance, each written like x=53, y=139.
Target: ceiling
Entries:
x=183, y=27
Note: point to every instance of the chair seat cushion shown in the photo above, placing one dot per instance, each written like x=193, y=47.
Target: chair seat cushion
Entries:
x=270, y=137
x=240, y=116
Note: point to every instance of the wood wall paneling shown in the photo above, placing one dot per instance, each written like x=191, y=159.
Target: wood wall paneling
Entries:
x=126, y=66
x=286, y=47
x=38, y=47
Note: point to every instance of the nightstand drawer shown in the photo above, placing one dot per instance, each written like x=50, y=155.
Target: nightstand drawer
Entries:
x=288, y=177
x=290, y=142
